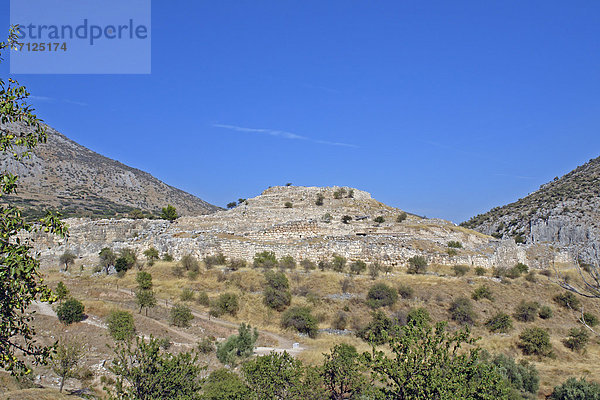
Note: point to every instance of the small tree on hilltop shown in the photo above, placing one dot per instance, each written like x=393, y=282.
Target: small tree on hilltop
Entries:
x=169, y=213
x=231, y=205
x=67, y=258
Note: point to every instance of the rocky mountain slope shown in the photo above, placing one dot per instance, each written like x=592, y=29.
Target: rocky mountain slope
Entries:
x=70, y=178
x=565, y=213
x=291, y=221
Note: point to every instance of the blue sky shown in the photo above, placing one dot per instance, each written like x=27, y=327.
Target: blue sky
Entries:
x=441, y=108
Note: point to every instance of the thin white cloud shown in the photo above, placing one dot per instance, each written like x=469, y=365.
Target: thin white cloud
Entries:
x=55, y=100
x=282, y=134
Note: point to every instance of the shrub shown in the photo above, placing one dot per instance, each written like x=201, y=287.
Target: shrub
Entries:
x=340, y=321
x=308, y=265
x=180, y=316
x=277, y=299
x=287, y=262
x=346, y=219
x=187, y=294
x=237, y=346
x=338, y=194
x=374, y=270
x=189, y=263
x=455, y=244
x=338, y=263
x=500, y=322
x=578, y=339
x=265, y=259
x=513, y=273
x=320, y=198
x=405, y=291
x=70, y=311
x=522, y=268
x=379, y=220
x=452, y=252
x=522, y=376
x=121, y=266
x=288, y=204
x=236, y=264
x=326, y=218
x=203, y=299
x=401, y=217
x=567, y=300
x=460, y=270
x=482, y=292
x=301, y=319
x=376, y=330
x=381, y=295
x=217, y=259
x=120, y=325
x=418, y=315
x=357, y=267
x=206, y=345
x=545, y=312
x=590, y=319
x=167, y=257
x=535, y=341
x=61, y=291
x=519, y=239
x=417, y=265
x=231, y=204
x=479, y=271
x=324, y=265
x=526, y=311
x=226, y=303
x=574, y=389
x=223, y=384
x=461, y=311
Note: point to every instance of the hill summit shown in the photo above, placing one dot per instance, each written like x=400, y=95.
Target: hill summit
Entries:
x=564, y=212
x=67, y=177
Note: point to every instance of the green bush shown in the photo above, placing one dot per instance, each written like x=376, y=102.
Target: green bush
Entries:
x=189, y=263
x=167, y=257
x=545, y=312
x=376, y=331
x=237, y=346
x=358, y=267
x=405, y=291
x=418, y=315
x=346, y=219
x=236, y=264
x=535, y=341
x=513, y=273
x=460, y=270
x=500, y=322
x=480, y=271
x=455, y=244
x=214, y=260
x=226, y=303
x=277, y=299
x=265, y=259
x=70, y=311
x=180, y=316
x=526, y=311
x=379, y=220
x=308, y=265
x=401, y=217
x=381, y=295
x=482, y=292
x=461, y=311
x=301, y=319
x=120, y=325
x=287, y=262
x=567, y=300
x=288, y=204
x=590, y=319
x=522, y=268
x=320, y=198
x=522, y=376
x=578, y=339
x=223, y=384
x=206, y=345
x=338, y=194
x=338, y=263
x=574, y=389
x=417, y=265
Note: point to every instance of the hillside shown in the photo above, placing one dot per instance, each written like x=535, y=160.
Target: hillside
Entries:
x=76, y=181
x=564, y=212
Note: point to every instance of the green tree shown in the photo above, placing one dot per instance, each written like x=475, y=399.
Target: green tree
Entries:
x=301, y=319
x=238, y=346
x=401, y=217
x=181, y=315
x=143, y=372
x=226, y=303
x=276, y=293
x=70, y=311
x=120, y=325
x=381, y=295
x=338, y=263
x=107, y=258
x=223, y=384
x=151, y=255
x=573, y=389
x=67, y=258
x=61, y=291
x=265, y=259
x=376, y=331
x=343, y=373
x=535, y=341
x=20, y=282
x=145, y=299
x=358, y=267
x=169, y=213
x=66, y=359
x=274, y=376
x=461, y=311
x=144, y=280
x=231, y=205
x=379, y=220
x=427, y=363
x=417, y=265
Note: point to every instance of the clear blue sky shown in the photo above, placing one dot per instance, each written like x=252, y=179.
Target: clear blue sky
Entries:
x=441, y=108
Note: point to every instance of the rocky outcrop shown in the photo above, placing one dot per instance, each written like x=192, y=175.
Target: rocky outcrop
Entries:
x=564, y=213
x=68, y=177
